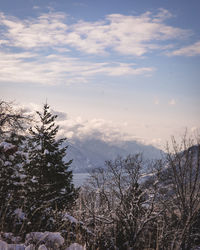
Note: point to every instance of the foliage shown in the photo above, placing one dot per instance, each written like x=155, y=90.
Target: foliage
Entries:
x=48, y=178
x=35, y=181
x=12, y=160
x=127, y=209
x=116, y=206
x=128, y=204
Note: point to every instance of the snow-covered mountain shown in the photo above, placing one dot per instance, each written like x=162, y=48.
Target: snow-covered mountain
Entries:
x=91, y=153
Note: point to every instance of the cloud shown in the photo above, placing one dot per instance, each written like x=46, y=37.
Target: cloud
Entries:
x=132, y=35
x=94, y=128
x=79, y=128
x=74, y=128
x=195, y=130
x=36, y=7
x=46, y=30
x=156, y=142
x=172, y=102
x=156, y=101
x=3, y=42
x=61, y=116
x=101, y=129
x=191, y=50
x=79, y=4
x=162, y=15
x=27, y=67
x=46, y=46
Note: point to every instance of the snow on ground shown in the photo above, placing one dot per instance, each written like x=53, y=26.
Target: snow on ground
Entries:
x=5, y=246
x=6, y=146
x=75, y=246
x=70, y=218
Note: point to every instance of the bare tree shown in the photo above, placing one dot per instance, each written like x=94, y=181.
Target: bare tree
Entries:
x=179, y=195
x=11, y=119
x=126, y=208
x=117, y=206
x=184, y=163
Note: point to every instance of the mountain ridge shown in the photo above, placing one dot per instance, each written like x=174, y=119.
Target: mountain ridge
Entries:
x=91, y=153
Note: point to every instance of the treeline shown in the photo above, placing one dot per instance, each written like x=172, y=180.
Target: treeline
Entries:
x=131, y=203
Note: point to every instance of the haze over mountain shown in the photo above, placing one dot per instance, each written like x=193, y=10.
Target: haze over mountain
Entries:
x=91, y=153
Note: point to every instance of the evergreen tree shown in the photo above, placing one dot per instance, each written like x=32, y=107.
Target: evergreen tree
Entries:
x=12, y=159
x=49, y=180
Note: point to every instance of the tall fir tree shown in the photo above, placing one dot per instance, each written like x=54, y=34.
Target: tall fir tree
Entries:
x=49, y=180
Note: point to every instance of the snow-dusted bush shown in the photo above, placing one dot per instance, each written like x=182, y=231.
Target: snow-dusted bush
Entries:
x=49, y=239
x=5, y=246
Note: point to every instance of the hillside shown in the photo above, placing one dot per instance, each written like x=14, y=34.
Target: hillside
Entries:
x=91, y=153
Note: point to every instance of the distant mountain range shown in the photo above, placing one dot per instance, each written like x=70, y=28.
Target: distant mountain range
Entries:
x=92, y=153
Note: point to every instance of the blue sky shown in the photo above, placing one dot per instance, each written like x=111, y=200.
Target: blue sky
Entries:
x=122, y=69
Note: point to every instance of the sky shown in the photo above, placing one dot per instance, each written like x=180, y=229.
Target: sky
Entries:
x=115, y=69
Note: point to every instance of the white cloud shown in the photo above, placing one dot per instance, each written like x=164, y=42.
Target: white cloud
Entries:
x=46, y=30
x=3, y=42
x=162, y=15
x=79, y=128
x=45, y=44
x=106, y=130
x=172, y=102
x=36, y=7
x=56, y=69
x=157, y=142
x=156, y=101
x=79, y=4
x=195, y=130
x=191, y=50
x=61, y=116
x=132, y=35
x=94, y=128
